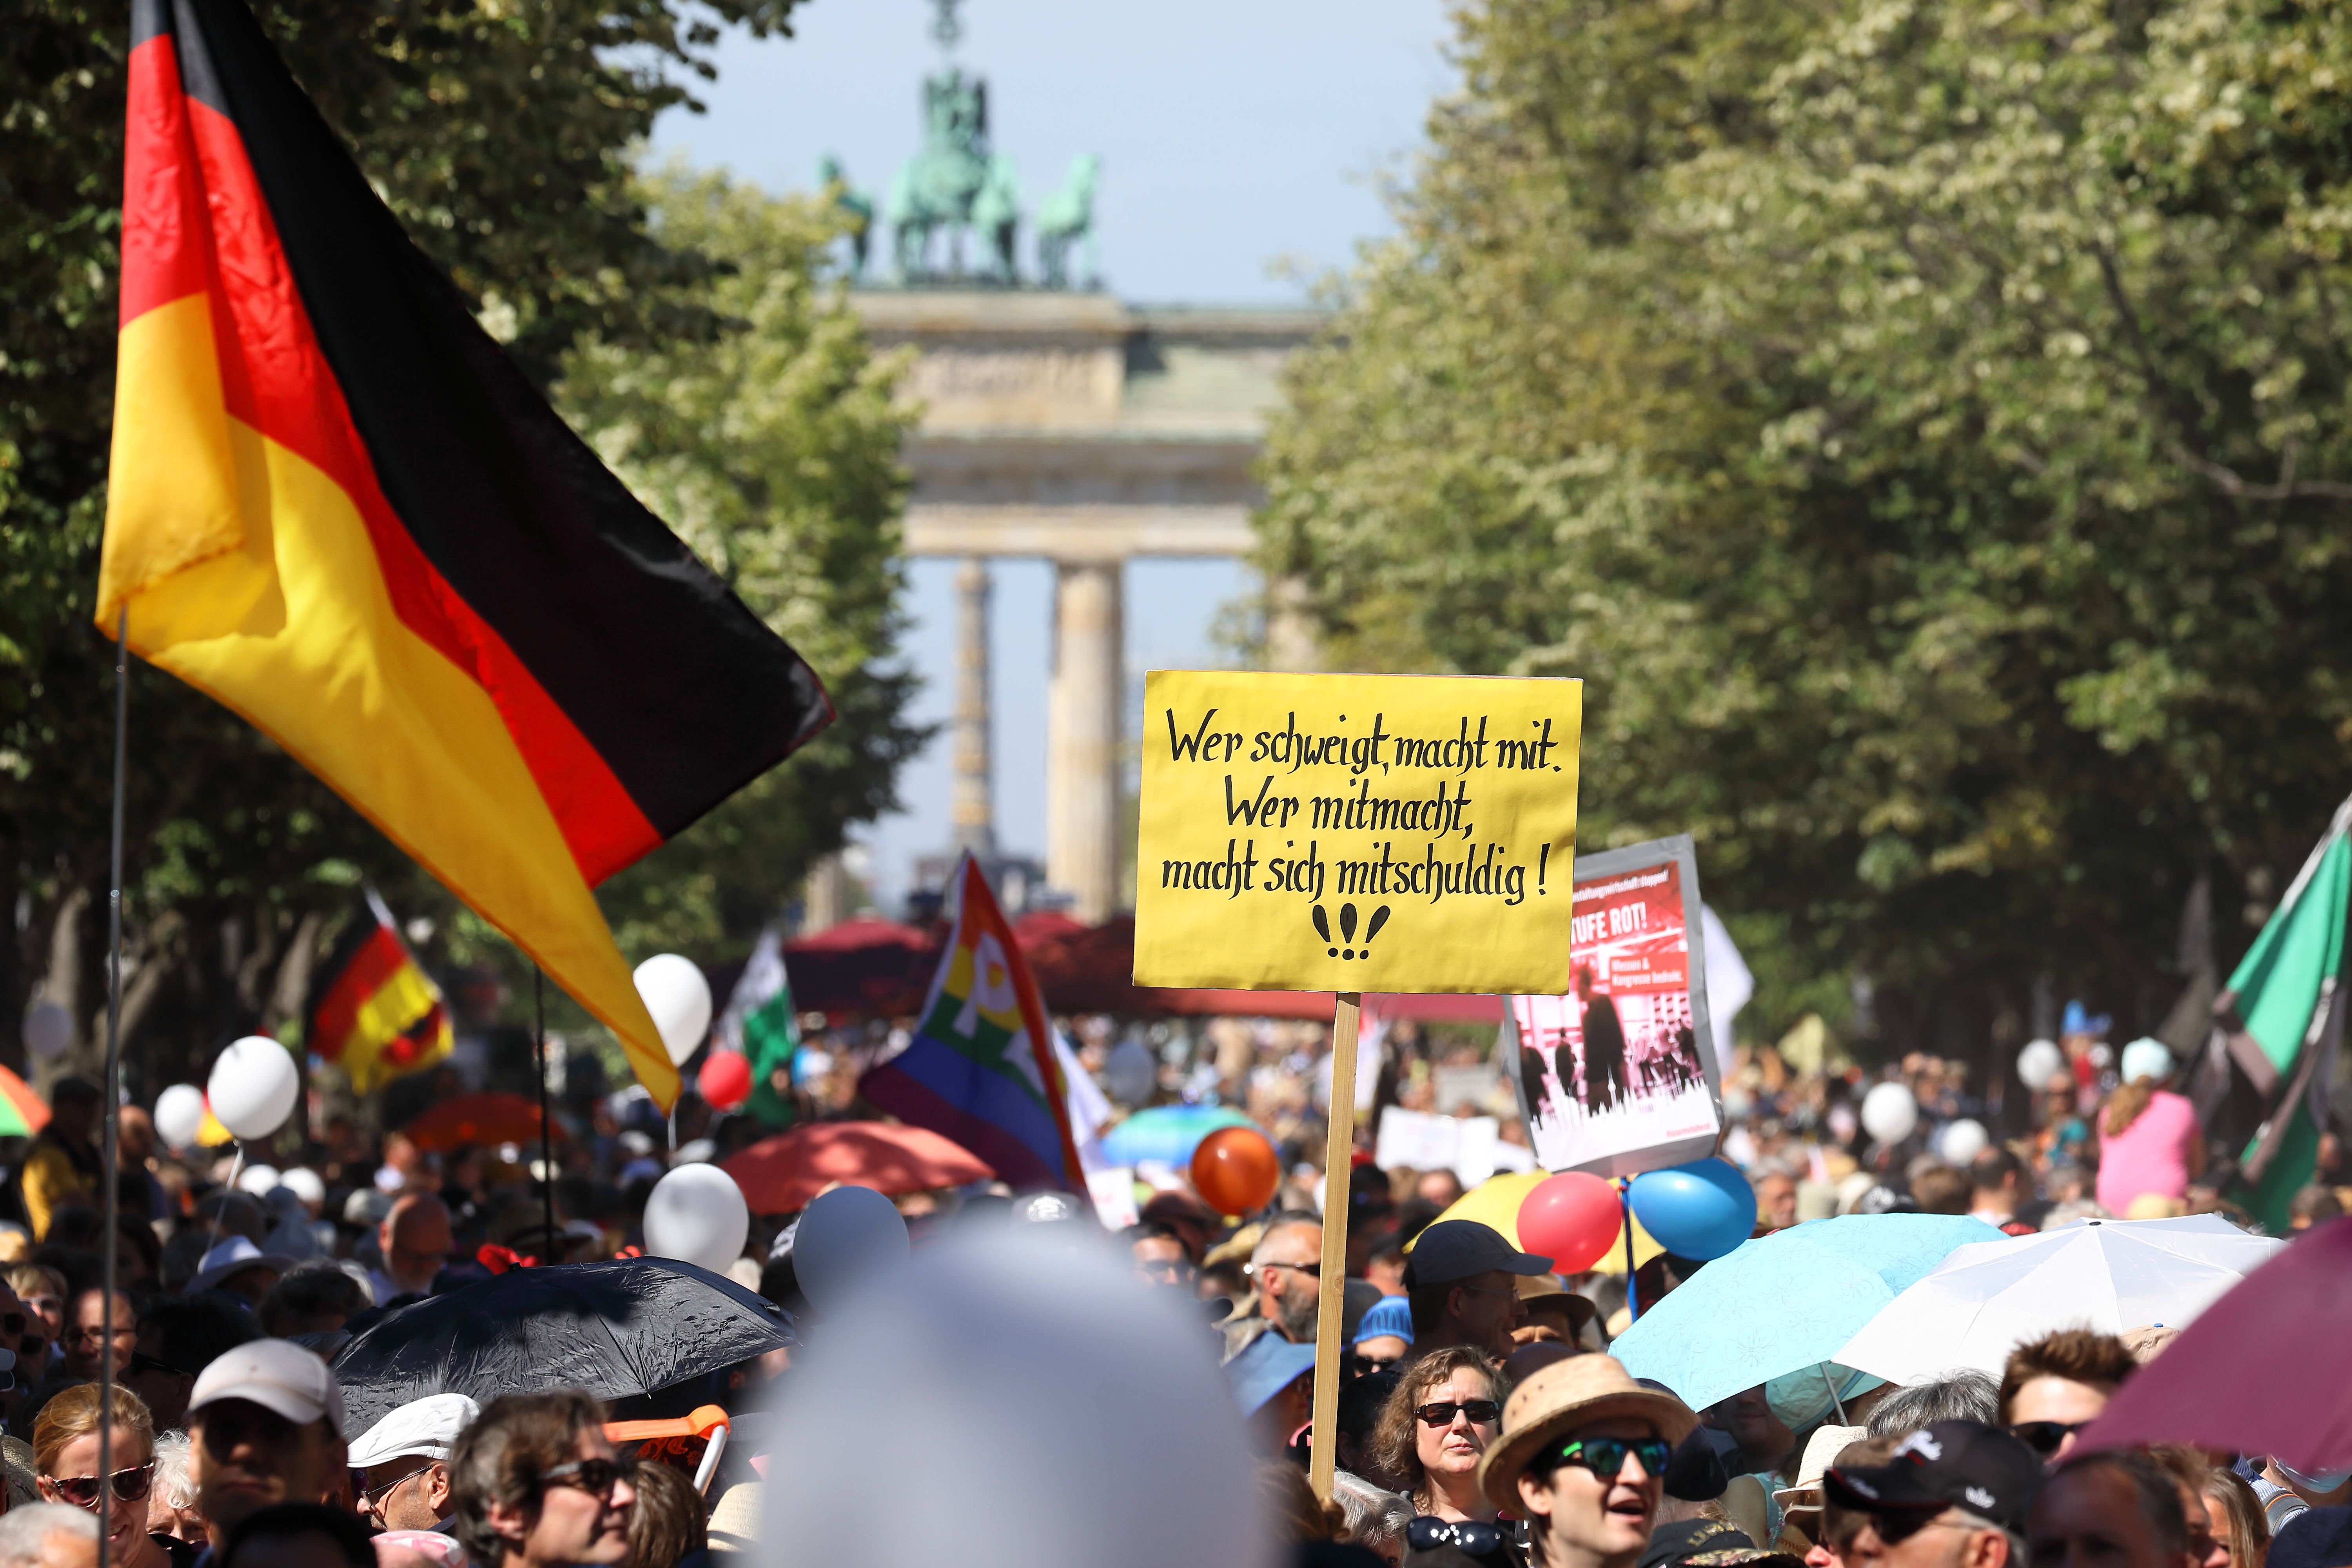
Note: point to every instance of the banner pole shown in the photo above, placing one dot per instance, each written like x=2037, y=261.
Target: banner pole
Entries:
x=1338, y=1158
x=546, y=1129
x=110, y=1107
x=1625, y=1197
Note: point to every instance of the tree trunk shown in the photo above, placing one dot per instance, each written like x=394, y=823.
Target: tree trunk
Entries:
x=293, y=987
x=62, y=985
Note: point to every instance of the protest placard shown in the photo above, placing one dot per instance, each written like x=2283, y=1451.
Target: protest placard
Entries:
x=1356, y=832
x=1617, y=1075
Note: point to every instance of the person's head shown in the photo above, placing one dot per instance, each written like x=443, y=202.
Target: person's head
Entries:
x=298, y=1535
x=1760, y=1434
x=2208, y=1547
x=1462, y=1286
x=177, y=1340
x=312, y=1297
x=65, y=1454
x=88, y=1331
x=1582, y=1458
x=1355, y=1448
x=2235, y=1517
x=1371, y=1516
x=1194, y=1224
x=2108, y=1510
x=669, y=1519
x=74, y=1108
x=48, y=1535
x=1160, y=1255
x=1443, y=1188
x=237, y=1266
x=42, y=1289
x=537, y=1483
x=266, y=1419
x=134, y=1136
x=171, y=1507
x=1940, y=1189
x=1836, y=1531
x=1776, y=1199
x=2054, y=1386
x=404, y=1461
x=1965, y=1394
x=1288, y=1263
x=1291, y=1507
x=1445, y=1410
x=2313, y=1206
x=416, y=1242
x=1383, y=1336
x=1273, y=1382
x=1952, y=1495
x=1997, y=1178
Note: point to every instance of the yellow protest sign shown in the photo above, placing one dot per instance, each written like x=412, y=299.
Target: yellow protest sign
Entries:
x=1356, y=832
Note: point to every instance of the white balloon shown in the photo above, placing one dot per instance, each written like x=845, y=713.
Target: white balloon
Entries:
x=1150, y=1450
x=305, y=1184
x=49, y=1030
x=847, y=1237
x=254, y=1087
x=1963, y=1140
x=1131, y=1073
x=258, y=1180
x=1889, y=1112
x=180, y=1115
x=2038, y=1062
x=678, y=994
x=697, y=1215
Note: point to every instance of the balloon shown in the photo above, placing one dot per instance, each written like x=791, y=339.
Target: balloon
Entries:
x=254, y=1087
x=1889, y=1112
x=1131, y=1073
x=697, y=1215
x=846, y=1239
x=1700, y=1210
x=725, y=1079
x=49, y=1030
x=1963, y=1140
x=305, y=1184
x=1573, y=1218
x=258, y=1180
x=179, y=1114
x=677, y=995
x=1235, y=1171
x=2038, y=1062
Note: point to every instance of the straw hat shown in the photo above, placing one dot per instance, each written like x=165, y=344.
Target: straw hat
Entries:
x=1820, y=1452
x=1562, y=1397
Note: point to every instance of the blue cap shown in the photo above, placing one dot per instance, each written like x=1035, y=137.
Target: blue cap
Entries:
x=1265, y=1367
x=1389, y=1315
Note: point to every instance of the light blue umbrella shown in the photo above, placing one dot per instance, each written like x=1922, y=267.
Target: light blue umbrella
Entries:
x=1167, y=1134
x=1786, y=1302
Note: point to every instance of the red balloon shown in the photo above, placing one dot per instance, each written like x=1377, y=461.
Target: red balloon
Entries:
x=725, y=1079
x=1573, y=1219
x=1235, y=1170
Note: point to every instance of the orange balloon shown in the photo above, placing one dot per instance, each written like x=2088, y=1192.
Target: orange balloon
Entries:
x=1235, y=1170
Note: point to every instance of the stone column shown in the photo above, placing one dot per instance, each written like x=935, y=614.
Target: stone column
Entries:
x=1289, y=631
x=1082, y=756
x=975, y=810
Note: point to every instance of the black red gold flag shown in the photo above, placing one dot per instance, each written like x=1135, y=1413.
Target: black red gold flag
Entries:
x=372, y=1009
x=336, y=507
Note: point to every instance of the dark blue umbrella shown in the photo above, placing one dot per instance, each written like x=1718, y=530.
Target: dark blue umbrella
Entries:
x=630, y=1326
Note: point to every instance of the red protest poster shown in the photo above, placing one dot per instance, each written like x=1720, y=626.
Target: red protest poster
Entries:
x=1618, y=1076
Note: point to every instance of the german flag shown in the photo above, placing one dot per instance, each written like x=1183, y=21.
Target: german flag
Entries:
x=338, y=509
x=371, y=1009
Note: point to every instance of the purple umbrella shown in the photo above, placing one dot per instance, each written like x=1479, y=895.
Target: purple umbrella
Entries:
x=2267, y=1369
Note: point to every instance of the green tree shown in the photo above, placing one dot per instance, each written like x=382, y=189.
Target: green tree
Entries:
x=1921, y=425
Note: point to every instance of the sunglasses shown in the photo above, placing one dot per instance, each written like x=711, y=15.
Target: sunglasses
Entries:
x=128, y=1486
x=1312, y=1271
x=2043, y=1436
x=595, y=1477
x=1476, y=1537
x=1365, y=1365
x=1605, y=1457
x=1441, y=1413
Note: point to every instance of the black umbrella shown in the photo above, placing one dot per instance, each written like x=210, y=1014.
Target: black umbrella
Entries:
x=626, y=1327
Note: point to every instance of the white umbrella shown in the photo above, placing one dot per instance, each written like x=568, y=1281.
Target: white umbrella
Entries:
x=1987, y=1298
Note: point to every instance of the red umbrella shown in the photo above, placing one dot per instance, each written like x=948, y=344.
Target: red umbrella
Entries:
x=2267, y=1369
x=492, y=1118
x=781, y=1175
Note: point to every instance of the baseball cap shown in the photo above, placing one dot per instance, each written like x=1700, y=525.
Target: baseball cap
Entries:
x=1951, y=1464
x=275, y=1375
x=1463, y=1249
x=429, y=1427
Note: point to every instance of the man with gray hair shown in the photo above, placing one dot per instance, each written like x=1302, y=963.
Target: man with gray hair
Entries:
x=1287, y=1268
x=48, y=1535
x=1965, y=1394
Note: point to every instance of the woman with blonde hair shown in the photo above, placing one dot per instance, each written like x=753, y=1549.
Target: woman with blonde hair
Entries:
x=2148, y=1140
x=1446, y=1412
x=65, y=1454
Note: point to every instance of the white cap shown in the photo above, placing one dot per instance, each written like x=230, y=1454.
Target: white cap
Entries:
x=277, y=1374
x=429, y=1427
x=305, y=1184
x=2146, y=1057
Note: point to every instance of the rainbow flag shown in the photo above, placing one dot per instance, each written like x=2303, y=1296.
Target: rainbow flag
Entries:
x=982, y=1068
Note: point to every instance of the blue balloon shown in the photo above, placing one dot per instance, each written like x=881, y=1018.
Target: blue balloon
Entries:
x=1701, y=1210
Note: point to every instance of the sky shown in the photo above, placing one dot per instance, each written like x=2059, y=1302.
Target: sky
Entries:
x=1243, y=146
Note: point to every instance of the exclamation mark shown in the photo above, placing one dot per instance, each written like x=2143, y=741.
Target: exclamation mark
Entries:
x=1543, y=862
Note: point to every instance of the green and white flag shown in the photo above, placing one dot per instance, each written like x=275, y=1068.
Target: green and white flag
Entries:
x=761, y=1024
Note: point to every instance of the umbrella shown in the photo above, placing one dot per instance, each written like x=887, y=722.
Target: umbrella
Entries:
x=1167, y=1134
x=782, y=1174
x=1786, y=1302
x=494, y=1117
x=1977, y=1305
x=22, y=1114
x=2267, y=1369
x=1496, y=1201
x=632, y=1325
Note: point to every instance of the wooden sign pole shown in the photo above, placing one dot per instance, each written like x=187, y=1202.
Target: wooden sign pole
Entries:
x=1339, y=1160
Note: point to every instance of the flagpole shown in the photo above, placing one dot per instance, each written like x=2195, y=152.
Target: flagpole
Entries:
x=111, y=1201
x=1339, y=1158
x=546, y=1129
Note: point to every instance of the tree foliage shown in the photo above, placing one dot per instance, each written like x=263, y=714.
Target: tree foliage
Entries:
x=1921, y=425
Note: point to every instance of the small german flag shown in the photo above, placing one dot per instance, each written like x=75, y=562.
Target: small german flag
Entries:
x=337, y=508
x=372, y=1009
